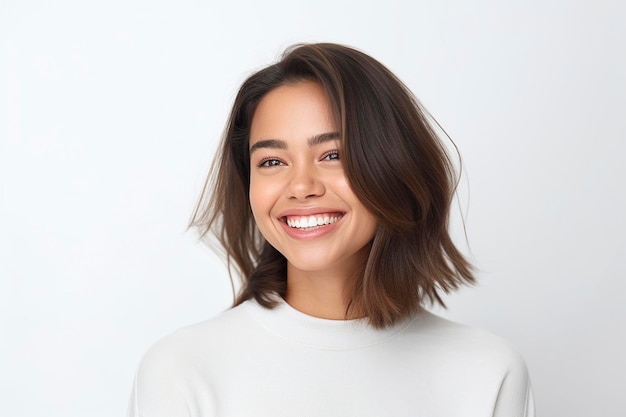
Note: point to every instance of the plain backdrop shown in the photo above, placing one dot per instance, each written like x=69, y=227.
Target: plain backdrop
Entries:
x=110, y=113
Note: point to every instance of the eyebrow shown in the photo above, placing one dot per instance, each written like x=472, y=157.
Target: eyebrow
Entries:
x=281, y=144
x=321, y=138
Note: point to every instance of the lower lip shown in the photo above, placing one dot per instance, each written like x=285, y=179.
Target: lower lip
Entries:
x=310, y=234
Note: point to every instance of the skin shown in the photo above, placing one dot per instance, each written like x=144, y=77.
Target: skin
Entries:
x=296, y=171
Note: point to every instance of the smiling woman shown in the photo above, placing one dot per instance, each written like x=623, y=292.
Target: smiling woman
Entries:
x=302, y=202
x=331, y=196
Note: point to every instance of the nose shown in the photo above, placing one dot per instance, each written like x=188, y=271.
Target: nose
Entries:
x=305, y=182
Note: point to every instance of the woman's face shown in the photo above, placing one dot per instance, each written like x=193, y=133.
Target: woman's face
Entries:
x=300, y=198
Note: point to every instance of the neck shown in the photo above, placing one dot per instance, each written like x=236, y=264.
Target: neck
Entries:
x=322, y=294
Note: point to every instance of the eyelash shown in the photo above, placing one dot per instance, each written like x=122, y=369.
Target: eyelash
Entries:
x=265, y=163
x=329, y=153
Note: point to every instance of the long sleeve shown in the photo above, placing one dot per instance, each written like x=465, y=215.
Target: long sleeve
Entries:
x=515, y=398
x=164, y=385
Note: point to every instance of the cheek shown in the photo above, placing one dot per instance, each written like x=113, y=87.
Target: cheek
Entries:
x=366, y=218
x=257, y=200
x=263, y=196
x=345, y=190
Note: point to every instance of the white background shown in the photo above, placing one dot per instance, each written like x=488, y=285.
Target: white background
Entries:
x=110, y=113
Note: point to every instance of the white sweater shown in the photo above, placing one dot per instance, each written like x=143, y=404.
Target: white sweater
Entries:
x=251, y=361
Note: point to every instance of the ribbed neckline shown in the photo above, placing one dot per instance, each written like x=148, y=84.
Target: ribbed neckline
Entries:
x=291, y=324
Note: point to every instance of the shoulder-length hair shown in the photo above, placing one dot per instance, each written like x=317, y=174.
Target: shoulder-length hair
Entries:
x=394, y=162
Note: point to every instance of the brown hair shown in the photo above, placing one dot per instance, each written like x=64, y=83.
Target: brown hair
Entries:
x=394, y=162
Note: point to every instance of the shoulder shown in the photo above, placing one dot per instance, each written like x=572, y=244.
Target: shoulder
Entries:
x=482, y=360
x=168, y=372
x=209, y=336
x=468, y=342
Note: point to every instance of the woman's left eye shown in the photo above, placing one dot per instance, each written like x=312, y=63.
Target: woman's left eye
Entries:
x=330, y=156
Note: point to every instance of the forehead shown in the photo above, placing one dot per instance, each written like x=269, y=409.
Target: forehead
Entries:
x=292, y=111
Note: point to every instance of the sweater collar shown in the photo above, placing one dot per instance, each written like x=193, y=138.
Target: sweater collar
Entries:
x=289, y=323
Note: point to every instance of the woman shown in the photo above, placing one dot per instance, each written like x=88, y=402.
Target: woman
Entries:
x=331, y=198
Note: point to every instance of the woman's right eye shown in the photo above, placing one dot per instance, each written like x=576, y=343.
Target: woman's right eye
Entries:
x=270, y=162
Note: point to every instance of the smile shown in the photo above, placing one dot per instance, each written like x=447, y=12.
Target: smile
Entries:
x=311, y=222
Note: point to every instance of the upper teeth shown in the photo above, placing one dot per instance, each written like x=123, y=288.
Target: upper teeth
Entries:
x=311, y=221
